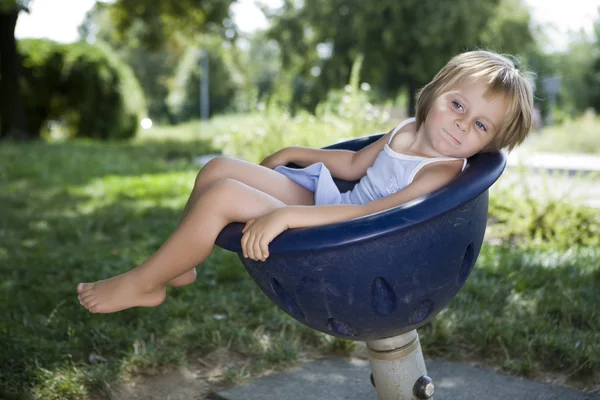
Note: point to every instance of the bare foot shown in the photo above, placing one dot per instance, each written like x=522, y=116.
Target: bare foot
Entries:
x=183, y=279
x=119, y=293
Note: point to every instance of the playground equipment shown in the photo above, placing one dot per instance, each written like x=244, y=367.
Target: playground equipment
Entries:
x=380, y=277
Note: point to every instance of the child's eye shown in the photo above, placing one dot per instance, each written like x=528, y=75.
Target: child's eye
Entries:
x=457, y=105
x=481, y=126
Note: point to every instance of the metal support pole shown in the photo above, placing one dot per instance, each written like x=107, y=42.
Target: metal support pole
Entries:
x=398, y=369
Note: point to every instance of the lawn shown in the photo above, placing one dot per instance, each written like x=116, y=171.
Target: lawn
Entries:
x=83, y=211
x=578, y=135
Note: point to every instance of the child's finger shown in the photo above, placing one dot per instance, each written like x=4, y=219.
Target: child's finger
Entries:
x=244, y=243
x=264, y=247
x=256, y=248
x=248, y=225
x=250, y=246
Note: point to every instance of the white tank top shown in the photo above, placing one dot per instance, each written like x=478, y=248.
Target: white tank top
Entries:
x=390, y=173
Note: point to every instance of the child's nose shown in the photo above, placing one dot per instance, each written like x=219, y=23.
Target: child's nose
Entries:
x=461, y=125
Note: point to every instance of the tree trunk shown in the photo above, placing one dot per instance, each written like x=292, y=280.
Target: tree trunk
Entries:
x=12, y=108
x=412, y=97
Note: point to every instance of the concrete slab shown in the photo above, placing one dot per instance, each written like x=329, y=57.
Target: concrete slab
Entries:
x=571, y=163
x=334, y=379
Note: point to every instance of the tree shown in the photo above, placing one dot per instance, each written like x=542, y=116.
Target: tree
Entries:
x=404, y=42
x=155, y=22
x=592, y=75
x=12, y=108
x=153, y=39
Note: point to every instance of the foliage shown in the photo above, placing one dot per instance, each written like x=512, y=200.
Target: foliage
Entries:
x=523, y=215
x=509, y=30
x=593, y=70
x=82, y=88
x=575, y=68
x=259, y=66
x=152, y=68
x=573, y=135
x=155, y=23
x=404, y=43
x=346, y=113
x=169, y=69
x=184, y=100
x=12, y=5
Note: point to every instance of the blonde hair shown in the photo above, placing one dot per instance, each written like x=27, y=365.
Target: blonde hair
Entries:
x=501, y=76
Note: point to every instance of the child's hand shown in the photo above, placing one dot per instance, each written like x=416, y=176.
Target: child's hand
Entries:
x=276, y=159
x=259, y=232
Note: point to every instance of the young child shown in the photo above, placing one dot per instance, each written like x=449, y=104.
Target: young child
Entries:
x=478, y=102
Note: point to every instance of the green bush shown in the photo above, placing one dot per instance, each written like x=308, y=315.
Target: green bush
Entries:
x=524, y=216
x=83, y=88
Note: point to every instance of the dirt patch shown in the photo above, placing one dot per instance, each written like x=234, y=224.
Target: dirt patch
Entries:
x=192, y=382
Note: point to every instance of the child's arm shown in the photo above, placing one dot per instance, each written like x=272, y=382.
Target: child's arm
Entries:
x=260, y=232
x=337, y=161
x=343, y=164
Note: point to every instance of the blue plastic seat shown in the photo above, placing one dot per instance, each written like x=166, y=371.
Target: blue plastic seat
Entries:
x=384, y=274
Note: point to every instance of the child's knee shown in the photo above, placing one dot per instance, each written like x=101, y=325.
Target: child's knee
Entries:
x=211, y=171
x=225, y=187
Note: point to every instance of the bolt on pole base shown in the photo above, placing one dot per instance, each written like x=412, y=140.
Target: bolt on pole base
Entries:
x=398, y=368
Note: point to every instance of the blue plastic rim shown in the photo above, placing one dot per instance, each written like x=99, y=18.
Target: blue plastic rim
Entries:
x=384, y=274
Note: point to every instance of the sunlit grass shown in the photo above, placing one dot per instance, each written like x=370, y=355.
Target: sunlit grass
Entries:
x=579, y=135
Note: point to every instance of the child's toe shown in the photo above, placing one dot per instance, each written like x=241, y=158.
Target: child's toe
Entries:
x=82, y=287
x=86, y=297
x=88, y=301
x=93, y=309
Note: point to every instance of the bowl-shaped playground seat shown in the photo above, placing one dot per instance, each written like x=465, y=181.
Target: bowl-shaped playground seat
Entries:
x=384, y=274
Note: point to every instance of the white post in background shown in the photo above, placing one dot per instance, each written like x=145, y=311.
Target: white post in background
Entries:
x=398, y=369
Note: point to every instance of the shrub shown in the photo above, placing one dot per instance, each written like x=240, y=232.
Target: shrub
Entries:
x=524, y=216
x=84, y=88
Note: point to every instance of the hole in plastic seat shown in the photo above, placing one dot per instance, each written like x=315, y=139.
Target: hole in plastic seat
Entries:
x=341, y=328
x=383, y=298
x=421, y=312
x=290, y=305
x=467, y=264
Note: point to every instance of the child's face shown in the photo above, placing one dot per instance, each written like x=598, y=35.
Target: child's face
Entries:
x=462, y=122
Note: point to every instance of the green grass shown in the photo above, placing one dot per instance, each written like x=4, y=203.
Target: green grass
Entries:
x=529, y=311
x=579, y=135
x=82, y=211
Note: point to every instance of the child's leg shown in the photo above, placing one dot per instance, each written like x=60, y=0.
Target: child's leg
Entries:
x=224, y=202
x=264, y=179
